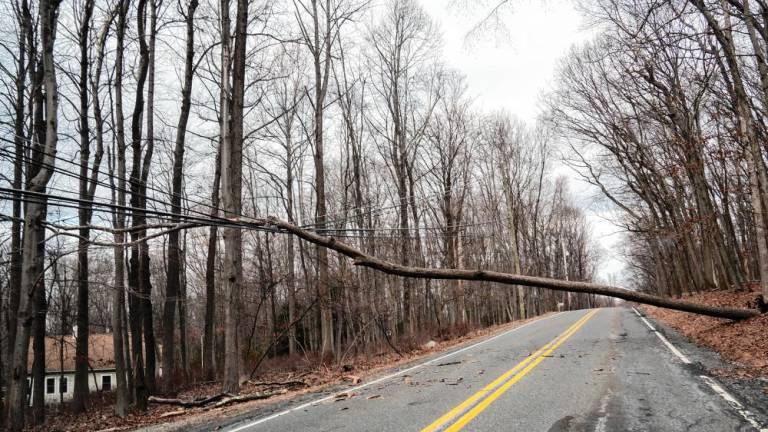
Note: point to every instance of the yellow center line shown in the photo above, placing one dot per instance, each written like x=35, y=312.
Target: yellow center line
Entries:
x=471, y=414
x=498, y=381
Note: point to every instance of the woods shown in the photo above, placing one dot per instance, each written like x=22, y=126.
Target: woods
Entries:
x=665, y=114
x=191, y=178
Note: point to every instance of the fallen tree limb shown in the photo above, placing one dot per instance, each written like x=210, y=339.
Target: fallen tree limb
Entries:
x=187, y=404
x=362, y=259
x=247, y=398
x=278, y=384
x=221, y=399
x=173, y=413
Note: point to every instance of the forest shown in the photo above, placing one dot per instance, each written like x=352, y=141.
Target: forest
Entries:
x=174, y=174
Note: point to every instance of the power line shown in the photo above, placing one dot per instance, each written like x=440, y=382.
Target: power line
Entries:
x=77, y=203
x=54, y=200
x=466, y=225
x=77, y=176
x=207, y=218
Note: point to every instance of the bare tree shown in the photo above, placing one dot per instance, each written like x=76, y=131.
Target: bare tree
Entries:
x=86, y=191
x=402, y=44
x=33, y=220
x=231, y=182
x=118, y=164
x=173, y=278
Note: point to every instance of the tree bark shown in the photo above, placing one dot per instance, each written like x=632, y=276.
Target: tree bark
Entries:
x=322, y=61
x=33, y=219
x=136, y=268
x=173, y=274
x=119, y=340
x=38, y=342
x=231, y=181
x=182, y=303
x=80, y=398
x=759, y=178
x=144, y=265
x=14, y=282
x=746, y=130
x=210, y=277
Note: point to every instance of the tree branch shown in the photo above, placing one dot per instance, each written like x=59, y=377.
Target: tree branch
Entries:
x=362, y=259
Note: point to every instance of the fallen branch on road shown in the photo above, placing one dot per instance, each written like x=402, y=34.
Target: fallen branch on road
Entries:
x=362, y=259
x=220, y=400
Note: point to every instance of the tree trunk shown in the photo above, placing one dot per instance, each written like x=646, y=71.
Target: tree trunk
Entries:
x=210, y=277
x=136, y=268
x=321, y=71
x=182, y=303
x=119, y=342
x=34, y=233
x=758, y=177
x=144, y=265
x=231, y=191
x=38, y=343
x=291, y=252
x=14, y=282
x=80, y=398
x=173, y=274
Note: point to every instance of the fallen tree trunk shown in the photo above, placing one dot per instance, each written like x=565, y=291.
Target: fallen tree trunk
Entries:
x=221, y=399
x=187, y=404
x=362, y=259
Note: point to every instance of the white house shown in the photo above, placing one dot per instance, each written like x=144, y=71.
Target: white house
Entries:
x=60, y=366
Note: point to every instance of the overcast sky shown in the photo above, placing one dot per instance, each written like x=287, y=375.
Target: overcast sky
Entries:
x=511, y=69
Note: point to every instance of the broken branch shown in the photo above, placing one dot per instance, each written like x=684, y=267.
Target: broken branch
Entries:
x=362, y=259
x=187, y=404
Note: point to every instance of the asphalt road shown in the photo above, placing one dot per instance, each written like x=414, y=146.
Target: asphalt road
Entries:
x=597, y=370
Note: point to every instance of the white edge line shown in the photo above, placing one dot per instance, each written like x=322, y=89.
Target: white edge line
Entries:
x=717, y=388
x=663, y=339
x=385, y=378
x=734, y=403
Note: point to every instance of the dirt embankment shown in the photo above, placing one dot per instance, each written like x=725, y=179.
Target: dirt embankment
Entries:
x=744, y=343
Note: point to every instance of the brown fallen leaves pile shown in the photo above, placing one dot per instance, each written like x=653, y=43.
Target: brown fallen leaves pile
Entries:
x=744, y=343
x=281, y=379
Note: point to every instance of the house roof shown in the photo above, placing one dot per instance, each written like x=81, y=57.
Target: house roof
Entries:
x=100, y=353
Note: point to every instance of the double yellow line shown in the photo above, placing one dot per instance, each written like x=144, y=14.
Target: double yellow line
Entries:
x=485, y=397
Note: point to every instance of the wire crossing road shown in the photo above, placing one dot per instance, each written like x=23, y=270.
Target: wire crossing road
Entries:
x=596, y=370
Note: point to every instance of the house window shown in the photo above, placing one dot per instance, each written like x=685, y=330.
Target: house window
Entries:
x=106, y=382
x=50, y=385
x=63, y=385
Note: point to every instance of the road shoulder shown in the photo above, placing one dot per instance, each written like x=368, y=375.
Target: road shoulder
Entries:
x=748, y=390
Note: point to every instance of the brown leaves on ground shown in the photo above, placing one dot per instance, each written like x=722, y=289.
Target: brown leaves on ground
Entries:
x=742, y=342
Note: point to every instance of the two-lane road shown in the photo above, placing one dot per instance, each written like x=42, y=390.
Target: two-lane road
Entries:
x=596, y=370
